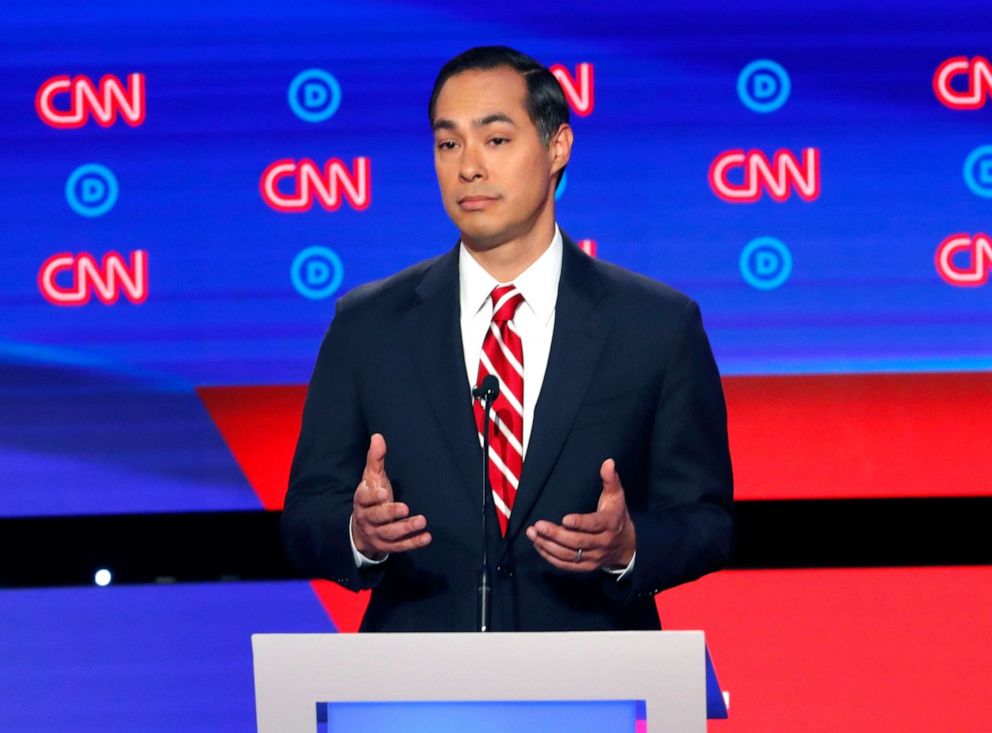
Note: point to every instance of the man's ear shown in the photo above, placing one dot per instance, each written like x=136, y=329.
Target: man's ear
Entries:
x=560, y=147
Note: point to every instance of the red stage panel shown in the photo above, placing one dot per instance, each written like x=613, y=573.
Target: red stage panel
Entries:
x=825, y=651
x=346, y=608
x=260, y=426
x=796, y=437
x=860, y=435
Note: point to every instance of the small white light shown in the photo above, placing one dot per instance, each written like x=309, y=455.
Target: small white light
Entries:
x=102, y=577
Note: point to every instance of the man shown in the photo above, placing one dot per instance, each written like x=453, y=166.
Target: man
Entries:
x=609, y=464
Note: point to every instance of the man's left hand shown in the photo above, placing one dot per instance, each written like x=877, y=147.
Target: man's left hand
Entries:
x=606, y=537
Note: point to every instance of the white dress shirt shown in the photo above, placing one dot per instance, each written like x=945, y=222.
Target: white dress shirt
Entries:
x=534, y=319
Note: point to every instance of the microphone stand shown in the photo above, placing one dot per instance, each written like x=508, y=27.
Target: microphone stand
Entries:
x=488, y=391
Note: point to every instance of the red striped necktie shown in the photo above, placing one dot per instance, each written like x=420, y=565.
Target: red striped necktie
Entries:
x=503, y=357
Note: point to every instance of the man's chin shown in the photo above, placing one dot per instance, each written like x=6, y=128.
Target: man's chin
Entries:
x=483, y=238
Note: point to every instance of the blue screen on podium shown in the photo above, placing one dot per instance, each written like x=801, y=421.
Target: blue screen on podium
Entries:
x=487, y=716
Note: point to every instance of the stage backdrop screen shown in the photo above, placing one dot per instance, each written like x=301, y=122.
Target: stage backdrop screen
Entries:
x=187, y=189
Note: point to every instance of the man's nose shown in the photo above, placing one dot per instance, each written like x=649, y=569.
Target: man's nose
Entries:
x=472, y=167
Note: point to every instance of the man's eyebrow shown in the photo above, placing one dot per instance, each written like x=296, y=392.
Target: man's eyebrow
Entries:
x=495, y=117
x=443, y=124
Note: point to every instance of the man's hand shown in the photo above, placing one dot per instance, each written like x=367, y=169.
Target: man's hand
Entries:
x=606, y=537
x=380, y=526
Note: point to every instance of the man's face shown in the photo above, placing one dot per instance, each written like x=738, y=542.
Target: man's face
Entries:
x=496, y=177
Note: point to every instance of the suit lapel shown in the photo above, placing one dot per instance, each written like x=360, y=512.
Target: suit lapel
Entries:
x=434, y=339
x=579, y=336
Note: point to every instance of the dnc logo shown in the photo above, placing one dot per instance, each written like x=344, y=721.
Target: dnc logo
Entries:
x=84, y=99
x=91, y=190
x=978, y=171
x=763, y=86
x=765, y=263
x=314, y=95
x=317, y=272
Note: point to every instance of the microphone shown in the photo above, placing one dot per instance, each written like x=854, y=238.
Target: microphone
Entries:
x=487, y=391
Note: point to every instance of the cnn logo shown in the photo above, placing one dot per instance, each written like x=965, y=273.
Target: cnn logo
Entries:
x=70, y=280
x=963, y=83
x=290, y=186
x=779, y=177
x=963, y=260
x=578, y=87
x=67, y=102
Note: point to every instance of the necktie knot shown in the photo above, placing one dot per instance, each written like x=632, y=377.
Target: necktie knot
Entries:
x=506, y=298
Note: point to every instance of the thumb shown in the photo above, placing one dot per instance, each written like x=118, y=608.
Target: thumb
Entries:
x=611, y=481
x=375, y=459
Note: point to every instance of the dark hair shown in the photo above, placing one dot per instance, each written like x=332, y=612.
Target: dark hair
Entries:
x=545, y=100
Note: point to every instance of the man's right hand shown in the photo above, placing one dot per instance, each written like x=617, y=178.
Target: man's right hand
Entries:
x=379, y=525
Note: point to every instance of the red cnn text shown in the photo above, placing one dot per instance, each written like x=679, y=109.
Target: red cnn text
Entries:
x=963, y=83
x=67, y=280
x=292, y=186
x=68, y=102
x=963, y=260
x=740, y=177
x=578, y=88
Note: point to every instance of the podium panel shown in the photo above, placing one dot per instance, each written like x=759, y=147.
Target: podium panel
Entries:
x=660, y=676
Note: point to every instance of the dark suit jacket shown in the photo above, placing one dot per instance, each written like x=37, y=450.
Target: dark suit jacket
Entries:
x=630, y=376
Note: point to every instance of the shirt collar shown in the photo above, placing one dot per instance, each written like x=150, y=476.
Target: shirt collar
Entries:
x=538, y=283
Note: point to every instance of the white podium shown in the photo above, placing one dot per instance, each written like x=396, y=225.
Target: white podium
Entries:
x=295, y=673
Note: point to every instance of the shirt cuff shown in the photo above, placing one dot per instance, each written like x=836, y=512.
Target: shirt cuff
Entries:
x=364, y=562
x=621, y=573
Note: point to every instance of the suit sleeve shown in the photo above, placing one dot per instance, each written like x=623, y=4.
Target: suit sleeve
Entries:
x=687, y=529
x=328, y=464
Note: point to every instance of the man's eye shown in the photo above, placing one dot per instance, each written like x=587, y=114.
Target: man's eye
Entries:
x=446, y=145
x=499, y=140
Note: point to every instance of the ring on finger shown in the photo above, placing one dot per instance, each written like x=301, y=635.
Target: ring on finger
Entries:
x=578, y=555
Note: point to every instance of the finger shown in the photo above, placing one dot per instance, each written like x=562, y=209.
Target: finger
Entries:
x=565, y=553
x=573, y=538
x=415, y=542
x=383, y=513
x=560, y=552
x=593, y=523
x=582, y=567
x=394, y=531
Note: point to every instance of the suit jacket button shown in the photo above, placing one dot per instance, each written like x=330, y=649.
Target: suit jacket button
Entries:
x=504, y=571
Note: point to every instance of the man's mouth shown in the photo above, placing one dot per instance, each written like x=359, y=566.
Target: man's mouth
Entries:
x=476, y=202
